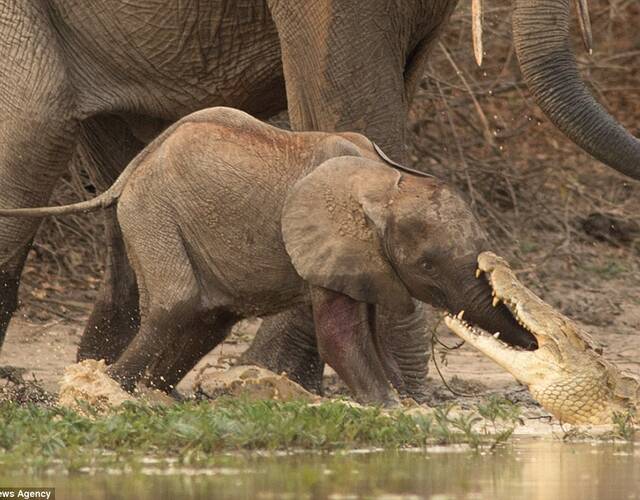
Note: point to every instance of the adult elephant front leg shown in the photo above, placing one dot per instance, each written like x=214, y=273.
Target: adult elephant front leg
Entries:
x=286, y=343
x=344, y=71
x=37, y=129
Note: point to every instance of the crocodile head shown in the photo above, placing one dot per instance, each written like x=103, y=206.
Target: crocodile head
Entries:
x=566, y=374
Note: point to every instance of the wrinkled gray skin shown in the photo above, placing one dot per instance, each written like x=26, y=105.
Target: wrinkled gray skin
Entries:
x=103, y=77
x=106, y=76
x=542, y=42
x=225, y=217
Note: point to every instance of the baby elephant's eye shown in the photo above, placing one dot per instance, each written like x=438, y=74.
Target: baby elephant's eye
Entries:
x=427, y=265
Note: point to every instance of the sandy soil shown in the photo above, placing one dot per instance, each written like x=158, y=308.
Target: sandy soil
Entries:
x=605, y=302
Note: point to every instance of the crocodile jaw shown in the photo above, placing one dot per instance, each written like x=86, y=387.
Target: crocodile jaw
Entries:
x=520, y=363
x=574, y=397
x=566, y=374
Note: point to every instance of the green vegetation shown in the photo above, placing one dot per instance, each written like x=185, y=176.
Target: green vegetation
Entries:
x=610, y=269
x=37, y=437
x=623, y=429
x=624, y=425
x=528, y=246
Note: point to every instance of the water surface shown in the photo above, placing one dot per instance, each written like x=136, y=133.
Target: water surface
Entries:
x=542, y=469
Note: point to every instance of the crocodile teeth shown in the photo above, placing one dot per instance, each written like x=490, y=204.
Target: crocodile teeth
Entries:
x=460, y=314
x=478, y=272
x=496, y=335
x=495, y=301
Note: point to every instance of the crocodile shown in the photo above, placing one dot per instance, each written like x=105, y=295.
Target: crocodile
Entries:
x=567, y=373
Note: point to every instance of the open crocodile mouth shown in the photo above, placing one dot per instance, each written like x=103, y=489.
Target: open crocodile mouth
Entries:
x=463, y=329
x=506, y=289
x=565, y=373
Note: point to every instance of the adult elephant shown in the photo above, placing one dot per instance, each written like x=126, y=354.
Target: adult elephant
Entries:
x=109, y=74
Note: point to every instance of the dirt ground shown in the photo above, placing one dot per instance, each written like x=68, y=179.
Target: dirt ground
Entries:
x=607, y=306
x=594, y=280
x=568, y=224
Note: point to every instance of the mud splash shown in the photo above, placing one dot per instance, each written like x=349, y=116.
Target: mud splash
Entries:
x=88, y=383
x=250, y=382
x=22, y=392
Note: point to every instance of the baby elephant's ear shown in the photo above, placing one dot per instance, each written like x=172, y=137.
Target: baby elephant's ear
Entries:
x=333, y=225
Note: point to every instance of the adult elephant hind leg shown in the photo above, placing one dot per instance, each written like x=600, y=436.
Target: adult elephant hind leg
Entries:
x=115, y=317
x=108, y=146
x=37, y=134
x=286, y=343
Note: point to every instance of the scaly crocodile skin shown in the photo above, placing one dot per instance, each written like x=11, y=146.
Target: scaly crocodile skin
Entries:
x=567, y=374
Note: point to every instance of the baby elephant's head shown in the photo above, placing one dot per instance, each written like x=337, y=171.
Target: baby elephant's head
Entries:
x=385, y=237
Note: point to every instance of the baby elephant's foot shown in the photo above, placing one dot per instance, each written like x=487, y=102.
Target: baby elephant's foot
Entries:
x=385, y=399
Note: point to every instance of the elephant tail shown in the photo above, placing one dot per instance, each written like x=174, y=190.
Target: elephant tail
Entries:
x=110, y=196
x=105, y=200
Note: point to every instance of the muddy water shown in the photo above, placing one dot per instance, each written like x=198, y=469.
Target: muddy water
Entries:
x=524, y=469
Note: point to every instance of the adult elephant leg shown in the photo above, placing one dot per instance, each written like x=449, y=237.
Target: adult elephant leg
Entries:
x=344, y=65
x=286, y=343
x=37, y=129
x=115, y=317
x=406, y=339
x=109, y=146
x=361, y=89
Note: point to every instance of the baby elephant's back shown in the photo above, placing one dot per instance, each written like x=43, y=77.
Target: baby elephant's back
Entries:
x=234, y=165
x=225, y=177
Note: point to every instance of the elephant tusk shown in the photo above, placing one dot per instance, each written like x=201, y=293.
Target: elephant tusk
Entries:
x=584, y=20
x=476, y=29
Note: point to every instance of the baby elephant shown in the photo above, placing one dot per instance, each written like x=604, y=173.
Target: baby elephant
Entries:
x=225, y=217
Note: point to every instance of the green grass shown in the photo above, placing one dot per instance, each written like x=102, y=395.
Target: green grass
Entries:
x=528, y=246
x=37, y=437
x=624, y=425
x=609, y=269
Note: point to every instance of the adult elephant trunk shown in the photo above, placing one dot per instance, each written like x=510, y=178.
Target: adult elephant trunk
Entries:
x=547, y=62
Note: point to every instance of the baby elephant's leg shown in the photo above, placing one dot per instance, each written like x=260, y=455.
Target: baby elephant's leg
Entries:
x=158, y=330
x=169, y=290
x=403, y=340
x=346, y=343
x=205, y=332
